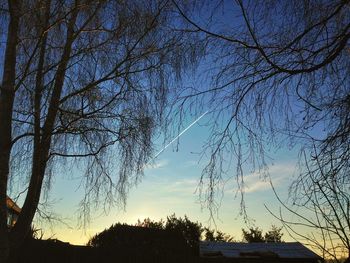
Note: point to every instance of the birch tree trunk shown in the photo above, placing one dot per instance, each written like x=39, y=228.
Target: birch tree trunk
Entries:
x=86, y=80
x=42, y=139
x=7, y=94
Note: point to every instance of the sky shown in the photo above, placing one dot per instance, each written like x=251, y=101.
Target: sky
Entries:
x=169, y=186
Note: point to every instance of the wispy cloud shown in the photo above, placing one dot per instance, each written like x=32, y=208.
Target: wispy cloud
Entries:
x=158, y=164
x=170, y=195
x=278, y=174
x=191, y=163
x=187, y=186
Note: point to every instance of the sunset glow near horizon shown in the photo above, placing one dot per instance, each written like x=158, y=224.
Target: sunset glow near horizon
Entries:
x=233, y=114
x=169, y=187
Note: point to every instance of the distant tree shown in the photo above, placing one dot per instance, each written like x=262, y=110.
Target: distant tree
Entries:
x=253, y=235
x=209, y=234
x=221, y=236
x=274, y=235
x=128, y=236
x=212, y=235
x=108, y=237
x=190, y=230
x=148, y=223
x=174, y=227
x=256, y=235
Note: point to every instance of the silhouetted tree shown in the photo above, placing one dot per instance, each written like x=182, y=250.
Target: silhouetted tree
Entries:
x=256, y=235
x=110, y=237
x=209, y=234
x=212, y=235
x=253, y=235
x=123, y=236
x=274, y=235
x=221, y=236
x=319, y=212
x=280, y=74
x=148, y=223
x=191, y=231
x=175, y=231
x=85, y=83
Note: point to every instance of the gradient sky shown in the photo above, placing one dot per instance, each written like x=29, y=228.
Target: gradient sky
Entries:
x=169, y=186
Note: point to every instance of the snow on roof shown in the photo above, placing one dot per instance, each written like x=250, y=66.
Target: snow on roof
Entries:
x=239, y=250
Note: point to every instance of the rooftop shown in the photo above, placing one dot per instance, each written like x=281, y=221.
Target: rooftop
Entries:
x=287, y=250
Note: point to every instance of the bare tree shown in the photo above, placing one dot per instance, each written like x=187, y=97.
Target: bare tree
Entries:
x=84, y=83
x=319, y=214
x=279, y=75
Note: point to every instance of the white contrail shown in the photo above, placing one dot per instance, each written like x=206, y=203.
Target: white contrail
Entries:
x=173, y=140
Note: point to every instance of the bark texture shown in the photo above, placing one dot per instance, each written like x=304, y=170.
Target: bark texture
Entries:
x=7, y=94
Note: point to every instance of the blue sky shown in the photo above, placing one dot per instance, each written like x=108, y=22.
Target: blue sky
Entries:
x=170, y=183
x=169, y=186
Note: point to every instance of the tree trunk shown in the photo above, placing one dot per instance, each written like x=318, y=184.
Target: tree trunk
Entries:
x=42, y=142
x=7, y=95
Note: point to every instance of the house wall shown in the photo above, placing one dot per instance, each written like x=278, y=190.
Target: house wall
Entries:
x=11, y=218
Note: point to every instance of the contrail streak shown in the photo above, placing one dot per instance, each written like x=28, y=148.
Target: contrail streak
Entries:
x=177, y=137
